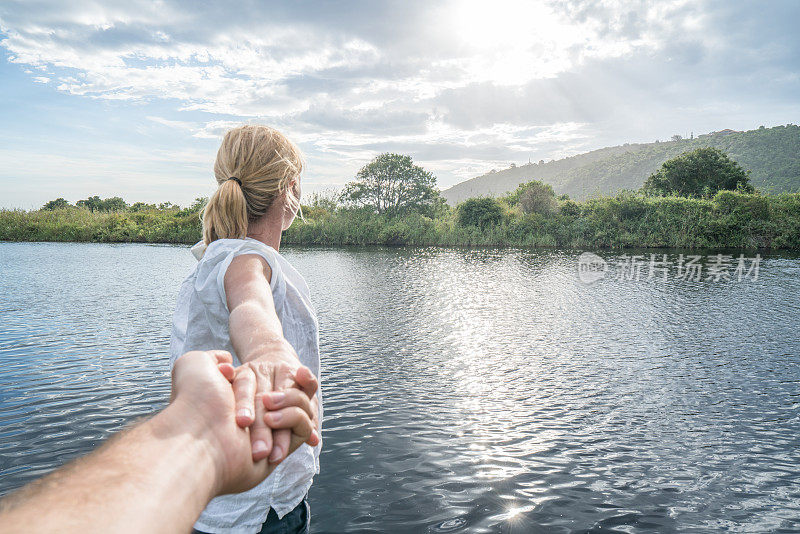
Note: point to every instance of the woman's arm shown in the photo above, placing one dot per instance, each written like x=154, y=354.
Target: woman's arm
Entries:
x=253, y=323
x=257, y=337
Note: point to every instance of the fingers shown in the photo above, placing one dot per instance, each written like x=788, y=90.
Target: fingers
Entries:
x=289, y=397
x=314, y=439
x=224, y=363
x=295, y=398
x=281, y=439
x=244, y=390
x=254, y=395
x=314, y=402
x=309, y=384
x=306, y=380
x=222, y=356
x=293, y=420
x=227, y=371
x=260, y=433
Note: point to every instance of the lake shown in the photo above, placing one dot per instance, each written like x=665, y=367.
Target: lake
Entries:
x=465, y=390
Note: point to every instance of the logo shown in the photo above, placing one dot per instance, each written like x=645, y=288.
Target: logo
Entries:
x=591, y=267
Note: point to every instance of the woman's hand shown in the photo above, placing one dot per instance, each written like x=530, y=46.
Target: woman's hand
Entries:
x=287, y=407
x=276, y=398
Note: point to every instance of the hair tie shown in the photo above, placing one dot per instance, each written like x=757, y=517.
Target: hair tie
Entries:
x=235, y=179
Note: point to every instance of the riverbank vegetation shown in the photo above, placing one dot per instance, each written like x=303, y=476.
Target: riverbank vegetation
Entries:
x=411, y=212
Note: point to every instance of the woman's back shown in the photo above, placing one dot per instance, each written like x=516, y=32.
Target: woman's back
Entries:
x=200, y=322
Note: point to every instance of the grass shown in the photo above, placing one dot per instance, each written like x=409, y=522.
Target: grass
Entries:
x=79, y=224
x=729, y=220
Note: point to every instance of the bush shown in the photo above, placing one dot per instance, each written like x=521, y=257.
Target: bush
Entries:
x=699, y=173
x=479, y=212
x=537, y=197
x=569, y=208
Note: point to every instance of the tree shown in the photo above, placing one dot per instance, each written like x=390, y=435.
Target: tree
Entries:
x=320, y=205
x=392, y=184
x=480, y=212
x=570, y=208
x=195, y=208
x=198, y=205
x=326, y=200
x=537, y=197
x=114, y=204
x=698, y=173
x=95, y=203
x=677, y=137
x=56, y=204
x=92, y=203
x=141, y=206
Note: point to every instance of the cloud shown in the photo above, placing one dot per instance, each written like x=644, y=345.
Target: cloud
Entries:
x=219, y=63
x=180, y=125
x=464, y=86
x=214, y=129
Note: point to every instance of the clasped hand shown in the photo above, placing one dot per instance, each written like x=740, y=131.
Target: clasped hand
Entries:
x=288, y=393
x=252, y=416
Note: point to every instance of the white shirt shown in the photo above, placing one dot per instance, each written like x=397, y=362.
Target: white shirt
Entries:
x=200, y=322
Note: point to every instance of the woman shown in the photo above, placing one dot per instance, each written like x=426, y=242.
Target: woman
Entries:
x=244, y=297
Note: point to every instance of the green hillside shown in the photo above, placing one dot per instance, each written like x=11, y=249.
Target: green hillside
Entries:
x=771, y=154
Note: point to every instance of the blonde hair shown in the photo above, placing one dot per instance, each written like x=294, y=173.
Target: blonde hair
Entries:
x=255, y=165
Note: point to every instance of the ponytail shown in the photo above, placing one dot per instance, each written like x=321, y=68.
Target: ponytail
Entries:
x=225, y=215
x=255, y=165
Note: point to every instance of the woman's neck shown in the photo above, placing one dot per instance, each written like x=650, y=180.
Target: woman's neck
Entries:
x=268, y=230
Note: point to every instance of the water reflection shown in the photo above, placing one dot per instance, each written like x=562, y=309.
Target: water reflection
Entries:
x=466, y=390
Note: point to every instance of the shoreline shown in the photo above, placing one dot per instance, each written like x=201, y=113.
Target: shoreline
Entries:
x=730, y=220
x=778, y=251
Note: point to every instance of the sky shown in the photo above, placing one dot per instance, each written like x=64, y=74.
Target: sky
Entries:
x=131, y=98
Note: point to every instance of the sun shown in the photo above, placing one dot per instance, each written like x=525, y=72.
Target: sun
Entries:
x=512, y=41
x=498, y=23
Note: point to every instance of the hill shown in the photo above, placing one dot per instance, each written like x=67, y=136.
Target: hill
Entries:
x=771, y=154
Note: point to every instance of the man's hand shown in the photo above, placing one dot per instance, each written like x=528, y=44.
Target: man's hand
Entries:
x=203, y=397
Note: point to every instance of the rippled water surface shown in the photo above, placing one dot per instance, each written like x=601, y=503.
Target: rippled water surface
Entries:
x=465, y=390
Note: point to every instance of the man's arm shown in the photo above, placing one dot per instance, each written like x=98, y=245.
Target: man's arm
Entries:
x=155, y=477
x=159, y=475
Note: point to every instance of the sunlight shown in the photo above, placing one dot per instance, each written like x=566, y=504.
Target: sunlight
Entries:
x=500, y=24
x=512, y=41
x=514, y=513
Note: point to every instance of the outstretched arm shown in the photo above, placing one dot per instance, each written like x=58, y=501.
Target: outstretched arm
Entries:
x=257, y=337
x=159, y=475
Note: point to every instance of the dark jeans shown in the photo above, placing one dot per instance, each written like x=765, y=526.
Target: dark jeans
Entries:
x=295, y=522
